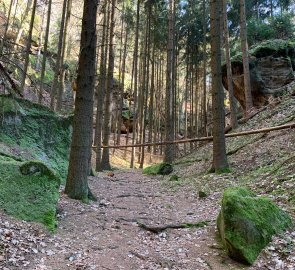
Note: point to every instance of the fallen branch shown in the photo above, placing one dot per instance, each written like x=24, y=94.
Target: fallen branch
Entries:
x=161, y=228
x=210, y=138
x=10, y=80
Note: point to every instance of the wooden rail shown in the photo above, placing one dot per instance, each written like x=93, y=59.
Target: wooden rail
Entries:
x=210, y=138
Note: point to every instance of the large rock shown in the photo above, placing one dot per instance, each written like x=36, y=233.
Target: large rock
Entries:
x=272, y=65
x=33, y=132
x=246, y=223
x=159, y=169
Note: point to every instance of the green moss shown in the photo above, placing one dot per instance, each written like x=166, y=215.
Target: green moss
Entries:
x=39, y=133
x=35, y=167
x=28, y=197
x=222, y=171
x=274, y=47
x=174, y=178
x=219, y=171
x=161, y=169
x=247, y=223
x=30, y=189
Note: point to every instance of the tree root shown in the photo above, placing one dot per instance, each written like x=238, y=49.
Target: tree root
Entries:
x=161, y=228
x=91, y=196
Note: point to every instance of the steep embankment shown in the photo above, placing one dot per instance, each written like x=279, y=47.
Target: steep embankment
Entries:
x=31, y=132
x=264, y=161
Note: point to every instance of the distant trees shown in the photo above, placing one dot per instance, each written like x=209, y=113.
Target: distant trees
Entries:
x=156, y=54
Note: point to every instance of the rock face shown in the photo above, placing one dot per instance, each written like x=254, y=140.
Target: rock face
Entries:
x=272, y=66
x=246, y=223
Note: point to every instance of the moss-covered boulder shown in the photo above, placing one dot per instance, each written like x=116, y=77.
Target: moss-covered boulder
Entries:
x=159, y=169
x=272, y=66
x=35, y=167
x=34, y=152
x=33, y=132
x=246, y=223
x=29, y=191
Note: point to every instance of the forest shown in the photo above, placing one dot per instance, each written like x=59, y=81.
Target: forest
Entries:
x=147, y=134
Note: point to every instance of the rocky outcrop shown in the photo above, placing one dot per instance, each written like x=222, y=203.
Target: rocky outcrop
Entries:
x=272, y=66
x=246, y=223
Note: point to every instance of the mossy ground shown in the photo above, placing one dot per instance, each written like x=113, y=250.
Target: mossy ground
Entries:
x=28, y=197
x=32, y=132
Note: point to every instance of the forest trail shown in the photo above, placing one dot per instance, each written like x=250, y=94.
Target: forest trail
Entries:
x=105, y=235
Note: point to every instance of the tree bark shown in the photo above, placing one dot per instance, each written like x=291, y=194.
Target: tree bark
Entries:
x=6, y=27
x=105, y=160
x=40, y=38
x=232, y=102
x=204, y=103
x=135, y=90
x=58, y=57
x=220, y=163
x=45, y=51
x=28, y=48
x=61, y=87
x=101, y=87
x=169, y=127
x=80, y=156
x=244, y=44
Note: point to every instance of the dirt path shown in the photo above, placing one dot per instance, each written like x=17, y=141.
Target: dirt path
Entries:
x=105, y=235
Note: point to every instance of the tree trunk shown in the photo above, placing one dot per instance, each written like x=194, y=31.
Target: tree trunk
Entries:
x=105, y=161
x=45, y=51
x=123, y=67
x=101, y=87
x=80, y=156
x=23, y=20
x=169, y=128
x=135, y=59
x=232, y=102
x=219, y=150
x=244, y=44
x=58, y=56
x=61, y=88
x=6, y=27
x=28, y=47
x=40, y=39
x=204, y=104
